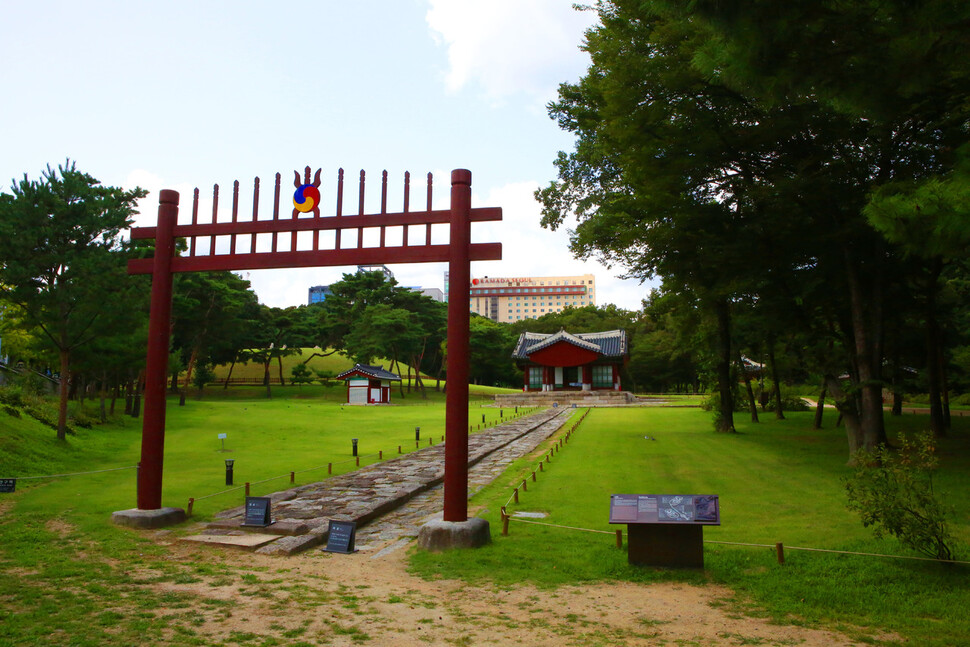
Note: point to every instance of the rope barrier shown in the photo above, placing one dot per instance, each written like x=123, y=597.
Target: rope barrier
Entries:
x=54, y=476
x=841, y=552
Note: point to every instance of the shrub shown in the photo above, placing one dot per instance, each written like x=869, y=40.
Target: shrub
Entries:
x=892, y=490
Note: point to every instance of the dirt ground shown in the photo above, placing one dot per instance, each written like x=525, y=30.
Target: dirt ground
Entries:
x=366, y=598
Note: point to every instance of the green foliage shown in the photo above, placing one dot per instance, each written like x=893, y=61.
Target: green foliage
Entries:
x=300, y=375
x=892, y=490
x=202, y=375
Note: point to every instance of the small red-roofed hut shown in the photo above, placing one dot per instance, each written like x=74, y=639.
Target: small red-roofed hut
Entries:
x=368, y=384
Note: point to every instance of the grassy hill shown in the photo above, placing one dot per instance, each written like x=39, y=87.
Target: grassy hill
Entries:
x=334, y=364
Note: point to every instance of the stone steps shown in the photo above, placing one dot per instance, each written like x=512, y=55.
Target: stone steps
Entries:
x=302, y=514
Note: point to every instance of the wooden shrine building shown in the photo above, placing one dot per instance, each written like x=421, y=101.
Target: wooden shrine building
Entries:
x=572, y=362
x=368, y=384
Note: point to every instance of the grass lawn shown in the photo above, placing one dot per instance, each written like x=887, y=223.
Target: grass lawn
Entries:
x=67, y=576
x=778, y=481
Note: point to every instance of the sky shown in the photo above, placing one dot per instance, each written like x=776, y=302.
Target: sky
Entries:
x=178, y=95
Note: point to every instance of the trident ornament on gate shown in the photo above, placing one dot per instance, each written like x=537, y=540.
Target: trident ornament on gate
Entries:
x=306, y=198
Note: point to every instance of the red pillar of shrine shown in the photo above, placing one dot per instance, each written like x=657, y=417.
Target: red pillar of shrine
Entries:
x=156, y=369
x=456, y=401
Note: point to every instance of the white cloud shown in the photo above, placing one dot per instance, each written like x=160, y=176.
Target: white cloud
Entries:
x=510, y=47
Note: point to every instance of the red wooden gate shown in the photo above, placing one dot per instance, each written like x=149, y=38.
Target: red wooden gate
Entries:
x=305, y=217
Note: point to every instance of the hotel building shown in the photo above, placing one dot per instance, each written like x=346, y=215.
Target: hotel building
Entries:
x=513, y=299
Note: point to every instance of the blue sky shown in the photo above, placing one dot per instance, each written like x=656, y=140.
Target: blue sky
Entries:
x=183, y=94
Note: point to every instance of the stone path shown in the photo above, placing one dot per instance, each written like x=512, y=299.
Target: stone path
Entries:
x=389, y=500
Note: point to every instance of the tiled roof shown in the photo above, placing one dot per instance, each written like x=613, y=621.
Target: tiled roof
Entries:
x=375, y=372
x=610, y=343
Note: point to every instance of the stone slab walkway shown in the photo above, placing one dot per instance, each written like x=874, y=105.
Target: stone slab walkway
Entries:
x=301, y=515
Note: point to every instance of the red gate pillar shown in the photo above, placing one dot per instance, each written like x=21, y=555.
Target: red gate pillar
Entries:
x=456, y=402
x=159, y=326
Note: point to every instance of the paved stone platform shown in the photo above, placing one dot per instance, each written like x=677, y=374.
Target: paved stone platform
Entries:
x=301, y=515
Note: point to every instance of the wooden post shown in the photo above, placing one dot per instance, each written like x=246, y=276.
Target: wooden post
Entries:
x=398, y=449
x=247, y=488
x=540, y=466
x=533, y=476
x=780, y=550
x=358, y=461
x=329, y=468
x=515, y=494
x=525, y=485
x=188, y=511
x=292, y=477
x=505, y=524
x=456, y=401
x=380, y=454
x=619, y=539
x=149, y=488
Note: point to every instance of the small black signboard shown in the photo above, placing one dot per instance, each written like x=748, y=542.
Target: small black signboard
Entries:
x=257, y=511
x=341, y=538
x=665, y=508
x=8, y=485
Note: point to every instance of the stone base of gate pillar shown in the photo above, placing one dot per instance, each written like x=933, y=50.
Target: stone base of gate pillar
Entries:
x=444, y=535
x=159, y=518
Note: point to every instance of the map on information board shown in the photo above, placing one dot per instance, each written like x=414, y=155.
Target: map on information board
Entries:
x=665, y=508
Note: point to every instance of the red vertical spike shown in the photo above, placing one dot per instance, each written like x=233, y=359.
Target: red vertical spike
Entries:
x=252, y=244
x=195, y=219
x=340, y=205
x=360, y=210
x=384, y=192
x=383, y=205
x=235, y=215
x=407, y=202
x=215, y=211
x=276, y=208
x=427, y=227
x=306, y=175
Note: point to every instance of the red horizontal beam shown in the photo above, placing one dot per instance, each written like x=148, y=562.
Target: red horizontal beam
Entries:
x=441, y=216
x=318, y=258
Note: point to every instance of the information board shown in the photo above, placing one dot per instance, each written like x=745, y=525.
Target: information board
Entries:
x=341, y=537
x=257, y=511
x=665, y=508
x=8, y=485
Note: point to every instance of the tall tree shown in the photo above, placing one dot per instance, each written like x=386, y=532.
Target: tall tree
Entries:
x=62, y=257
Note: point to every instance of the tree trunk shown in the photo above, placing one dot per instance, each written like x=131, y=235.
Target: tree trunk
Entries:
x=269, y=391
x=820, y=408
x=866, y=337
x=65, y=356
x=279, y=361
x=724, y=422
x=933, y=353
x=225, y=385
x=946, y=389
x=103, y=410
x=752, y=404
x=779, y=412
x=848, y=413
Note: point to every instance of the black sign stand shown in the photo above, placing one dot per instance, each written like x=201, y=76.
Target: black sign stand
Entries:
x=257, y=511
x=666, y=530
x=341, y=537
x=8, y=485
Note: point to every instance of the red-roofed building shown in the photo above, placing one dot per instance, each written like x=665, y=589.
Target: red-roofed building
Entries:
x=368, y=384
x=568, y=362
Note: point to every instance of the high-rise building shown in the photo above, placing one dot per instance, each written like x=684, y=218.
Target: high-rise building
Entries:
x=512, y=299
x=319, y=293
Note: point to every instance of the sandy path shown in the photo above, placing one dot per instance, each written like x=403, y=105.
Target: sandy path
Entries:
x=366, y=598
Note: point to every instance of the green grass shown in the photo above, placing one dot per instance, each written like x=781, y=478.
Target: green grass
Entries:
x=69, y=577
x=779, y=481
